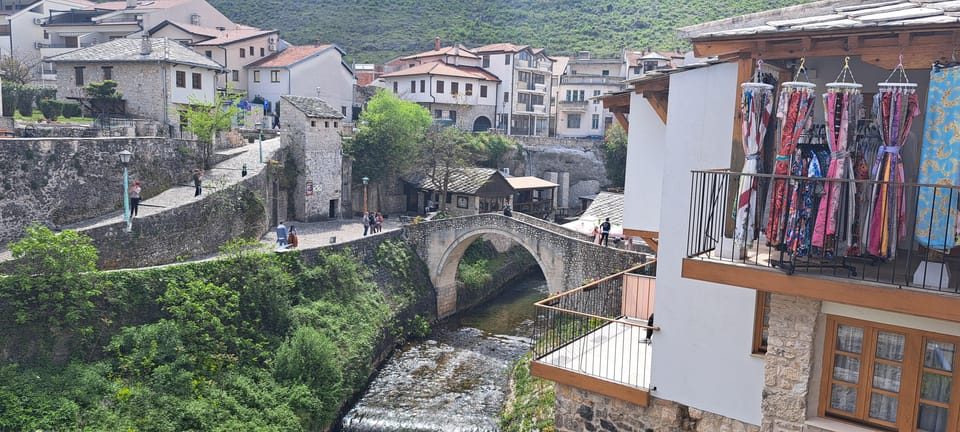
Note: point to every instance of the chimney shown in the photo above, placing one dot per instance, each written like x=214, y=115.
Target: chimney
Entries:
x=131, y=3
x=145, y=47
x=436, y=43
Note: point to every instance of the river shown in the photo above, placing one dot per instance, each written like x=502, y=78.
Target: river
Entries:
x=457, y=379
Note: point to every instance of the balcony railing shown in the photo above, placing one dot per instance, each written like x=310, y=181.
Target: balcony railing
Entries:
x=599, y=80
x=567, y=105
x=601, y=332
x=899, y=242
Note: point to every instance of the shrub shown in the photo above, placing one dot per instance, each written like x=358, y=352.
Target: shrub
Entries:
x=51, y=109
x=10, y=92
x=25, y=100
x=70, y=109
x=44, y=93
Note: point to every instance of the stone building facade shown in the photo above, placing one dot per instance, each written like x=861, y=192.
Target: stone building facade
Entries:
x=156, y=77
x=311, y=130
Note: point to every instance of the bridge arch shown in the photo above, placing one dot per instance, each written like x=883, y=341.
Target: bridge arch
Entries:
x=566, y=261
x=444, y=273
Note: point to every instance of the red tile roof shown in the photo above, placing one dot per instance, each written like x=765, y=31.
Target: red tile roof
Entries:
x=450, y=50
x=501, y=47
x=443, y=69
x=289, y=56
x=229, y=36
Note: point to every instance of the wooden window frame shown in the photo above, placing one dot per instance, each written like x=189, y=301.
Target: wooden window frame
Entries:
x=275, y=76
x=243, y=53
x=196, y=81
x=761, y=322
x=78, y=75
x=909, y=396
x=454, y=88
x=439, y=86
x=181, y=79
x=107, y=72
x=483, y=91
x=256, y=76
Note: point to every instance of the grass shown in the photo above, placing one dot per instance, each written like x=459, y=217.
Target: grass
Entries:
x=38, y=116
x=531, y=405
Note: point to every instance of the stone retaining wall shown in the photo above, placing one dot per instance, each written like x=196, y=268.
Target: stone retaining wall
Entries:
x=61, y=181
x=194, y=229
x=579, y=410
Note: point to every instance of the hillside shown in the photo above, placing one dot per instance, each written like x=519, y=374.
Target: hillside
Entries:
x=375, y=31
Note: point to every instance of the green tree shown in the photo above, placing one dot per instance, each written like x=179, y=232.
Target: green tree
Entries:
x=52, y=278
x=445, y=152
x=389, y=137
x=15, y=70
x=496, y=147
x=204, y=119
x=615, y=155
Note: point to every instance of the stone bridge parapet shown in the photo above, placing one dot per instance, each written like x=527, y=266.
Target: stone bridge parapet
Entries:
x=566, y=262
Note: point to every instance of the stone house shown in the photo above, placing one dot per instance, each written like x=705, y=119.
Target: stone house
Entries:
x=157, y=77
x=753, y=334
x=309, y=71
x=234, y=47
x=311, y=131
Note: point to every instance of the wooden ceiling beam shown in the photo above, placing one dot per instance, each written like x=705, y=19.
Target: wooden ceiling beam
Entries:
x=658, y=101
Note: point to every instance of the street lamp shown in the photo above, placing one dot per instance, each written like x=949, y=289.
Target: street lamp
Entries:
x=125, y=160
x=261, y=144
x=365, y=181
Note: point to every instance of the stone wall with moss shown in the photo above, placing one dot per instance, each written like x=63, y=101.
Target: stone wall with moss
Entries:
x=61, y=181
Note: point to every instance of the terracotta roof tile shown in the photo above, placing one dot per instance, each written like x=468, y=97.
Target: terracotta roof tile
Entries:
x=443, y=69
x=500, y=47
x=288, y=56
x=450, y=50
x=229, y=36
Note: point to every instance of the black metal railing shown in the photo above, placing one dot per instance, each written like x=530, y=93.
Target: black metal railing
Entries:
x=600, y=329
x=898, y=234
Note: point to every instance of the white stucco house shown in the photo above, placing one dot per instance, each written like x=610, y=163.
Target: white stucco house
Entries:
x=309, y=71
x=157, y=77
x=23, y=35
x=233, y=47
x=579, y=113
x=526, y=87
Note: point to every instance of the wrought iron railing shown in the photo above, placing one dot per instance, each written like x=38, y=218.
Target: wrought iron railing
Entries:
x=898, y=234
x=602, y=329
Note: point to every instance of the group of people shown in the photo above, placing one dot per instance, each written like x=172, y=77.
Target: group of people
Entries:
x=372, y=222
x=287, y=238
x=602, y=233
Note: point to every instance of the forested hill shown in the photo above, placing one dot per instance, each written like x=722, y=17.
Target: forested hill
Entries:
x=377, y=30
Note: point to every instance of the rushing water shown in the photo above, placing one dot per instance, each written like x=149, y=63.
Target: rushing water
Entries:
x=457, y=379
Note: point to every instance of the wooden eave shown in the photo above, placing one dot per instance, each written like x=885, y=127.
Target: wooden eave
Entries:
x=619, y=101
x=882, y=46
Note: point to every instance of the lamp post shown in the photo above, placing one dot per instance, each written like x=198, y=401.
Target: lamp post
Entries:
x=365, y=181
x=125, y=161
x=261, y=144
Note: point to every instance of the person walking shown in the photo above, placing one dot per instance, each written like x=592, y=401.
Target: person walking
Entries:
x=197, y=179
x=372, y=221
x=605, y=232
x=379, y=222
x=282, y=235
x=366, y=223
x=135, y=198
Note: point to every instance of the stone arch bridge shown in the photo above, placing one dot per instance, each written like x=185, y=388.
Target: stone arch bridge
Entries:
x=566, y=262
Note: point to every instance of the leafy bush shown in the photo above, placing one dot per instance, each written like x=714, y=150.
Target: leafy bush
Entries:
x=311, y=359
x=25, y=100
x=71, y=109
x=51, y=109
x=107, y=89
x=52, y=280
x=44, y=93
x=10, y=92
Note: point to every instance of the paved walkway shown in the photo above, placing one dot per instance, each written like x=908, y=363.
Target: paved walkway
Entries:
x=317, y=234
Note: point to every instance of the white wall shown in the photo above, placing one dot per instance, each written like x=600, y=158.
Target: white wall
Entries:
x=702, y=356
x=270, y=91
x=324, y=76
x=182, y=95
x=646, y=142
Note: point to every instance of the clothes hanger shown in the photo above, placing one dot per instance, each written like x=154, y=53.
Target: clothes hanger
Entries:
x=796, y=84
x=841, y=84
x=757, y=82
x=903, y=82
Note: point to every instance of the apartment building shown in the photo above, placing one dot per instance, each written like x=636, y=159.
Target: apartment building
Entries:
x=579, y=112
x=22, y=31
x=830, y=331
x=526, y=87
x=450, y=83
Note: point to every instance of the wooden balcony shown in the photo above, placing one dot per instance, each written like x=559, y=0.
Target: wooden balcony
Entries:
x=905, y=277
x=598, y=337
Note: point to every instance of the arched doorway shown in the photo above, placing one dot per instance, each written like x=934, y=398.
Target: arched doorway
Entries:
x=481, y=124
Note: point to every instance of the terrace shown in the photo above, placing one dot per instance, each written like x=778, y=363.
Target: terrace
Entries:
x=598, y=337
x=846, y=259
